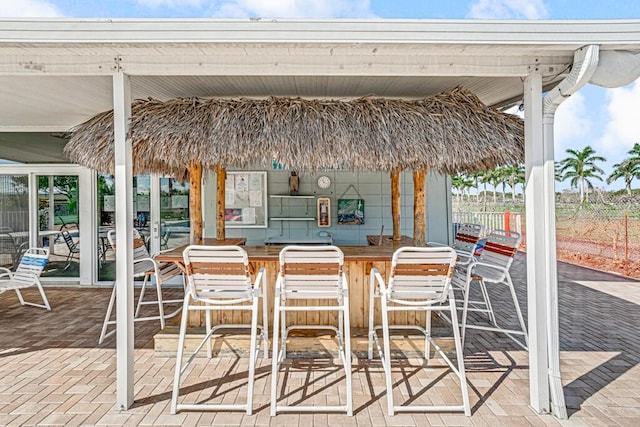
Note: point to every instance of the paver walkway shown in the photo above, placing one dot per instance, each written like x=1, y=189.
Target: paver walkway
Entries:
x=52, y=372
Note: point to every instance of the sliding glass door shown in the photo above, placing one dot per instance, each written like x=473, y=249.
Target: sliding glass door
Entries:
x=59, y=223
x=160, y=216
x=14, y=218
x=41, y=205
x=174, y=213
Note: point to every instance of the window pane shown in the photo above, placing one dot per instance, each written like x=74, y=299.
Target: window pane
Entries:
x=174, y=213
x=14, y=218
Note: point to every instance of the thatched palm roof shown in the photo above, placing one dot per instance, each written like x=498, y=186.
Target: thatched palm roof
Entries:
x=448, y=133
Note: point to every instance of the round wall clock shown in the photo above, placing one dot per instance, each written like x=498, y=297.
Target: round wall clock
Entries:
x=324, y=182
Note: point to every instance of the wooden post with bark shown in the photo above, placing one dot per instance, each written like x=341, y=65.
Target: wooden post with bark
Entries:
x=195, y=202
x=419, y=212
x=395, y=204
x=221, y=175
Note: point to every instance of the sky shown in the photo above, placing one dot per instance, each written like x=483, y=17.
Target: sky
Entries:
x=605, y=119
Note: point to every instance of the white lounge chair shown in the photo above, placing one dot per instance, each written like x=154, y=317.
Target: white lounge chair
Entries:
x=27, y=274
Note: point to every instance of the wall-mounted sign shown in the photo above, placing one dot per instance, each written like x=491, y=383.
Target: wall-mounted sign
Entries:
x=245, y=199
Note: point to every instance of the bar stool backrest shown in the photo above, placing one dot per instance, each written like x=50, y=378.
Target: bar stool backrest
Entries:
x=218, y=274
x=467, y=237
x=421, y=274
x=499, y=250
x=140, y=252
x=310, y=272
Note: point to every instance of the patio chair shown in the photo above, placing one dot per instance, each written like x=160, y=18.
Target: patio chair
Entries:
x=72, y=246
x=27, y=274
x=8, y=247
x=145, y=267
x=309, y=274
x=492, y=267
x=218, y=278
x=420, y=280
x=465, y=242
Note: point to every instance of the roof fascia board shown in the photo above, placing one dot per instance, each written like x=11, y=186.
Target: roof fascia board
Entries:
x=283, y=63
x=310, y=31
x=46, y=128
x=52, y=65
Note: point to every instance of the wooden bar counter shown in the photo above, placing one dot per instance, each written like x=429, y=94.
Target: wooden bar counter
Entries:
x=358, y=263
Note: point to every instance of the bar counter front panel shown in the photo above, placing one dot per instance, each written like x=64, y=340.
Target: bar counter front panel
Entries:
x=358, y=263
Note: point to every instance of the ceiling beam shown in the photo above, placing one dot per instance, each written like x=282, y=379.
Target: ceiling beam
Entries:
x=280, y=62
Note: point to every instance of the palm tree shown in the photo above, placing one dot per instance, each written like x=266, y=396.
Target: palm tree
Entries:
x=476, y=177
x=580, y=167
x=627, y=169
x=635, y=153
x=558, y=171
x=502, y=179
x=461, y=183
x=466, y=184
x=457, y=183
x=492, y=177
x=514, y=175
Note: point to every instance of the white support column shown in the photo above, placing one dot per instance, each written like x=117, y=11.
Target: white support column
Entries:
x=87, y=220
x=124, y=239
x=537, y=244
x=34, y=213
x=585, y=63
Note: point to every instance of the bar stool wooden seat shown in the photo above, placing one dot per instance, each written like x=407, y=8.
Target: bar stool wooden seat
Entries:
x=218, y=278
x=420, y=280
x=309, y=274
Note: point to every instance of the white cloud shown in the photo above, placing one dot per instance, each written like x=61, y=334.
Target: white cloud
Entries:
x=28, y=9
x=271, y=8
x=622, y=127
x=508, y=9
x=572, y=125
x=173, y=4
x=294, y=9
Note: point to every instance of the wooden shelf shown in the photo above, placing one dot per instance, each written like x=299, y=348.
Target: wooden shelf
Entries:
x=285, y=218
x=303, y=241
x=307, y=219
x=286, y=196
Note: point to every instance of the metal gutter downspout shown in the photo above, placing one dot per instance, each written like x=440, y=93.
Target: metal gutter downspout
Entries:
x=585, y=62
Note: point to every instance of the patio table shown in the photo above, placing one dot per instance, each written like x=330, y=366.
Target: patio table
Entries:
x=23, y=235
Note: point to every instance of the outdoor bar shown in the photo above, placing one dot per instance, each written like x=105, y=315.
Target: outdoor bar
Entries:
x=359, y=260
x=446, y=133
x=362, y=165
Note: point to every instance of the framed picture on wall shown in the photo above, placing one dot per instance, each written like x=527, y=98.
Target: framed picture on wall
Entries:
x=351, y=211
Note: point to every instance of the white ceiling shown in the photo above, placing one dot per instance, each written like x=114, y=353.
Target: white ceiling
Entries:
x=56, y=103
x=56, y=74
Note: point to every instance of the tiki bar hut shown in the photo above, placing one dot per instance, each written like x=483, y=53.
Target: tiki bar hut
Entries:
x=447, y=133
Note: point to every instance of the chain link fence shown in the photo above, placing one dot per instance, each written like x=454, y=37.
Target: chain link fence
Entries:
x=602, y=232
x=606, y=225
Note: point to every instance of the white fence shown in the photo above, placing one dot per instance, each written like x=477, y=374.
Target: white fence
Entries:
x=14, y=220
x=489, y=220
